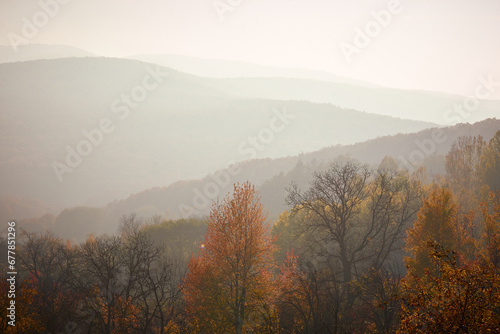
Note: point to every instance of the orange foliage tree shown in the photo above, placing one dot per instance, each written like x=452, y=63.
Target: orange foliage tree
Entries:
x=229, y=287
x=436, y=222
x=27, y=319
x=453, y=281
x=458, y=299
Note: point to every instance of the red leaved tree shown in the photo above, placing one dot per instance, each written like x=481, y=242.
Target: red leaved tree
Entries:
x=229, y=288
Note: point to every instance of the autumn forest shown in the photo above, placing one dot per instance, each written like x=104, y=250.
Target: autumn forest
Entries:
x=360, y=250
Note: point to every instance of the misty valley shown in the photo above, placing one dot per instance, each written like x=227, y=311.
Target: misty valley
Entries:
x=161, y=193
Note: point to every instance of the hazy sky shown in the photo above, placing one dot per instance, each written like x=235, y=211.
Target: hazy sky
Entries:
x=443, y=45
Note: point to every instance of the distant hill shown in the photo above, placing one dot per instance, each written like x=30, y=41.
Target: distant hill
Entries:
x=249, y=80
x=282, y=171
x=40, y=51
x=12, y=208
x=271, y=176
x=219, y=68
x=406, y=104
x=183, y=128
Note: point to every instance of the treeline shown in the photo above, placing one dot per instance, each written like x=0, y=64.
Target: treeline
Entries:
x=108, y=284
x=361, y=250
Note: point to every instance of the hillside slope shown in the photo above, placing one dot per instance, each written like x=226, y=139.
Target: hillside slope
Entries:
x=84, y=131
x=271, y=176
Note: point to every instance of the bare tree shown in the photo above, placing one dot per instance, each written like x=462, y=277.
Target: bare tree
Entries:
x=151, y=281
x=160, y=295
x=103, y=261
x=48, y=263
x=131, y=286
x=354, y=220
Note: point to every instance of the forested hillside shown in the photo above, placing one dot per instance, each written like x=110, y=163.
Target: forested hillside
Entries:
x=193, y=198
x=360, y=249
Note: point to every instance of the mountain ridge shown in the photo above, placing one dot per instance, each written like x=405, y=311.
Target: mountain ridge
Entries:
x=40, y=51
x=88, y=96
x=186, y=198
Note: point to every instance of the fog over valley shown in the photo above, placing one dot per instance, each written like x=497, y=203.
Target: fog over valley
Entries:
x=233, y=166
